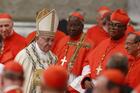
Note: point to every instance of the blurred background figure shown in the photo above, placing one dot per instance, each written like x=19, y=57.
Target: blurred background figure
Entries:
x=99, y=31
x=118, y=61
x=111, y=81
x=12, y=78
x=55, y=80
x=12, y=42
x=101, y=13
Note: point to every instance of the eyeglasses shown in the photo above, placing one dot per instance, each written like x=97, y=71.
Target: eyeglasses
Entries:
x=118, y=25
x=130, y=43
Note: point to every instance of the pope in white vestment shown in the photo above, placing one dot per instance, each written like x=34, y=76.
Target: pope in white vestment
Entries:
x=37, y=56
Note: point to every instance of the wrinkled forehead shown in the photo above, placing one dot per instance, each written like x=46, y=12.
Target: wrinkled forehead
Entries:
x=131, y=37
x=115, y=22
x=101, y=13
x=5, y=20
x=73, y=18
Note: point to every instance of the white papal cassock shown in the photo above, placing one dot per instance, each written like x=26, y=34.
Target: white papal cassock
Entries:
x=33, y=59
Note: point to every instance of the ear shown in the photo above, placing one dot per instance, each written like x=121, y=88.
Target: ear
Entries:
x=11, y=23
x=37, y=37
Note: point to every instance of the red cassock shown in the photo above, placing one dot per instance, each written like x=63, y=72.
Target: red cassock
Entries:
x=65, y=50
x=101, y=54
x=133, y=76
x=14, y=91
x=97, y=34
x=15, y=43
x=130, y=28
x=12, y=45
x=6, y=56
x=58, y=36
x=31, y=36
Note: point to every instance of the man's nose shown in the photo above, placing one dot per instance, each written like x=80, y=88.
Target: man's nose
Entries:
x=72, y=28
x=126, y=46
x=50, y=43
x=3, y=28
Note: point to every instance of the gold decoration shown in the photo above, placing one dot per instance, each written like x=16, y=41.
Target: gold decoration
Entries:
x=42, y=13
x=37, y=77
x=79, y=45
x=98, y=70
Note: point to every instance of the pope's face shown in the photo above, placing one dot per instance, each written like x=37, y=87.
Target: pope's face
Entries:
x=45, y=42
x=116, y=30
x=6, y=26
x=75, y=27
x=131, y=47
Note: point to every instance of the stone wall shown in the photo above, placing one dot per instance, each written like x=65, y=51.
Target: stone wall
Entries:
x=25, y=10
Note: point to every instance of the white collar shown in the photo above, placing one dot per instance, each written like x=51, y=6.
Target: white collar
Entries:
x=11, y=87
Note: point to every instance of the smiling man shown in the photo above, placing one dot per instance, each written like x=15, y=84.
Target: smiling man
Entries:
x=72, y=49
x=132, y=45
x=37, y=56
x=13, y=42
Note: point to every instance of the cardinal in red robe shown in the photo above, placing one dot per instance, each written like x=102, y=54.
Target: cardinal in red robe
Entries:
x=13, y=42
x=72, y=49
x=98, y=58
x=12, y=78
x=132, y=46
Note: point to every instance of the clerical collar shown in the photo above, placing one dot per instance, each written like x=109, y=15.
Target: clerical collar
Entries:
x=39, y=50
x=122, y=39
x=11, y=87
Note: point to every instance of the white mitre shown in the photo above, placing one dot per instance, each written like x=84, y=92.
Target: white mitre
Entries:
x=47, y=22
